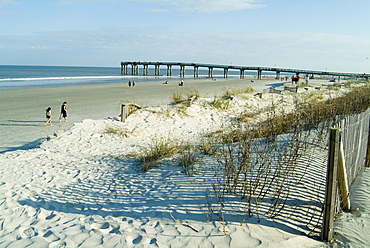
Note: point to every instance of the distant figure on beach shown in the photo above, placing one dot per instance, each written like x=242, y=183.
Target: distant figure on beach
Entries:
x=63, y=112
x=166, y=82
x=133, y=83
x=307, y=79
x=295, y=79
x=48, y=116
x=181, y=83
x=129, y=83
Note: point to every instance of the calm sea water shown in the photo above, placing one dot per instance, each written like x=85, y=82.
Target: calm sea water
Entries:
x=17, y=77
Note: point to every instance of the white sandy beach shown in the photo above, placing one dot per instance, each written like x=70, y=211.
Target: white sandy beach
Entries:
x=82, y=188
x=23, y=111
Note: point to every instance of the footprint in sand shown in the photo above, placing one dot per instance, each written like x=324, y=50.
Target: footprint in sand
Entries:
x=134, y=240
x=50, y=236
x=46, y=215
x=58, y=244
x=2, y=224
x=153, y=241
x=51, y=216
x=115, y=230
x=158, y=226
x=104, y=227
x=27, y=232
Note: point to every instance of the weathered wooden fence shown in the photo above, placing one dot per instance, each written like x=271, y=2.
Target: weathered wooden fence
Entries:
x=293, y=178
x=348, y=154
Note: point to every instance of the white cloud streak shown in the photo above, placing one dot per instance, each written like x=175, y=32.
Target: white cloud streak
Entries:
x=4, y=3
x=188, y=5
x=212, y=5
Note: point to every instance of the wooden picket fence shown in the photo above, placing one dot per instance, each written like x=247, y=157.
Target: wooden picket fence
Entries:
x=349, y=153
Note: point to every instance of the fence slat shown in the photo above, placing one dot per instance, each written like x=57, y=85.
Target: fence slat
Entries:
x=343, y=180
x=367, y=163
x=331, y=184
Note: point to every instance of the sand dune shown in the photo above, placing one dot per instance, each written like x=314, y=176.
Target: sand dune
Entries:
x=82, y=189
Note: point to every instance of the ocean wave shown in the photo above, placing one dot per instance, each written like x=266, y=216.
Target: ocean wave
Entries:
x=68, y=78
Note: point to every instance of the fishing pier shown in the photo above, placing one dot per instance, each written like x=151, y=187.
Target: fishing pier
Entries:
x=132, y=68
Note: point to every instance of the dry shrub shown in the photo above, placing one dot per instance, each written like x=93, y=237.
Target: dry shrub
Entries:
x=160, y=149
x=237, y=91
x=177, y=97
x=193, y=92
x=220, y=103
x=118, y=131
x=188, y=158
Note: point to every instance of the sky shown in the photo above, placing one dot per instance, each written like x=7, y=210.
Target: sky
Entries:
x=325, y=35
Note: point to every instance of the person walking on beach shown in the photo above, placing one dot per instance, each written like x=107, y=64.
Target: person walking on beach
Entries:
x=48, y=116
x=63, y=112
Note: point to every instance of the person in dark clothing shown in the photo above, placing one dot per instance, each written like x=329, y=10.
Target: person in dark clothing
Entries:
x=48, y=116
x=63, y=112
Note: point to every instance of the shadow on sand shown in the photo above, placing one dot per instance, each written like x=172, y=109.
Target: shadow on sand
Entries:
x=27, y=146
x=155, y=194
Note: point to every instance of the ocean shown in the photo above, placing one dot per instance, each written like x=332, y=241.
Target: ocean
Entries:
x=19, y=77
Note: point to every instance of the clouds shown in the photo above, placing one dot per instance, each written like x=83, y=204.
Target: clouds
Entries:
x=71, y=2
x=4, y=3
x=104, y=32
x=212, y=5
x=208, y=6
x=109, y=46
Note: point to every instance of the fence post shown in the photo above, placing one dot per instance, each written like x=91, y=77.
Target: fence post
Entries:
x=127, y=109
x=342, y=179
x=367, y=163
x=331, y=184
x=123, y=112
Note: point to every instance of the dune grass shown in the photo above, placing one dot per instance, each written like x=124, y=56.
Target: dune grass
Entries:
x=162, y=147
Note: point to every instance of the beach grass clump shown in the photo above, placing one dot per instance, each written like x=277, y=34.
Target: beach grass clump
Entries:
x=193, y=92
x=165, y=112
x=315, y=96
x=350, y=84
x=118, y=131
x=177, y=97
x=230, y=92
x=248, y=116
x=208, y=145
x=160, y=149
x=182, y=109
x=188, y=158
x=353, y=102
x=220, y=103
